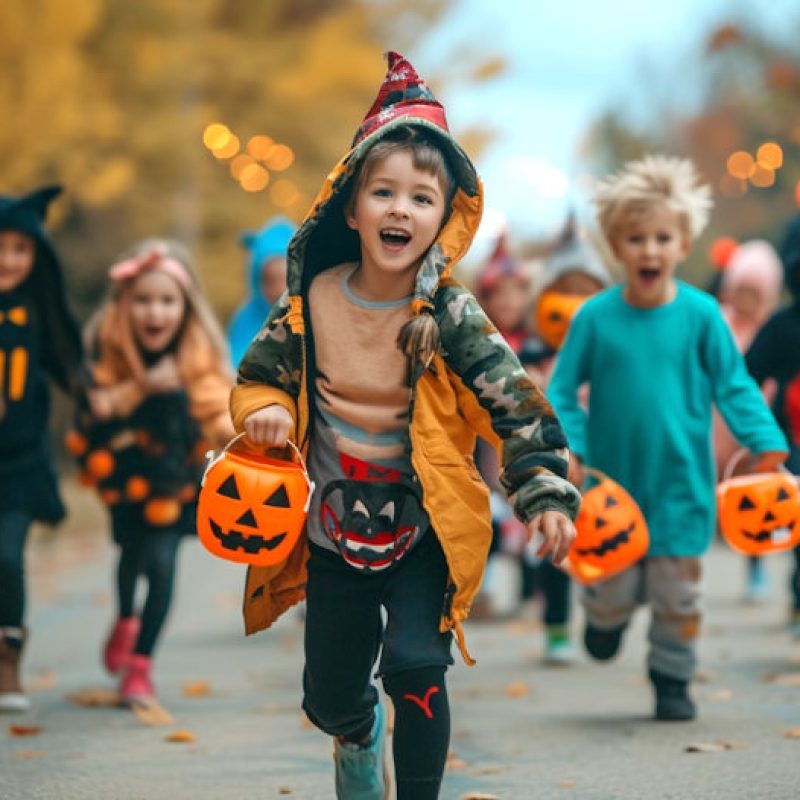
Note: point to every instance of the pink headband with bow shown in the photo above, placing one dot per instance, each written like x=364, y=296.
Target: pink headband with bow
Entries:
x=156, y=258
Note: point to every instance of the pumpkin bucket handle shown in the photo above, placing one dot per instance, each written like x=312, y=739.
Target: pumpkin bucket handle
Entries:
x=214, y=458
x=595, y=473
x=736, y=459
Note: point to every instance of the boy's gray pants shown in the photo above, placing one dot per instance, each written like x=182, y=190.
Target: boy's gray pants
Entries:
x=671, y=586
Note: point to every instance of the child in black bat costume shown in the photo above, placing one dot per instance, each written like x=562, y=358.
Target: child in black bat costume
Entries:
x=39, y=341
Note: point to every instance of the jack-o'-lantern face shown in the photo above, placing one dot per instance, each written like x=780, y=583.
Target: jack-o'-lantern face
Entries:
x=554, y=313
x=759, y=514
x=252, y=508
x=611, y=533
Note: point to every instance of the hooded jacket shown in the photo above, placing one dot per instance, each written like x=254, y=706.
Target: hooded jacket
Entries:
x=474, y=385
x=271, y=241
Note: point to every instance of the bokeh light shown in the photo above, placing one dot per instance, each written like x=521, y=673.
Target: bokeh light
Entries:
x=763, y=177
x=230, y=149
x=721, y=250
x=259, y=147
x=216, y=136
x=279, y=157
x=254, y=178
x=797, y=194
x=284, y=192
x=239, y=164
x=770, y=155
x=740, y=164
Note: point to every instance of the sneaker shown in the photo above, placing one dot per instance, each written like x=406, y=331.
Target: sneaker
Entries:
x=758, y=588
x=602, y=644
x=673, y=703
x=558, y=650
x=120, y=643
x=360, y=769
x=136, y=685
x=12, y=698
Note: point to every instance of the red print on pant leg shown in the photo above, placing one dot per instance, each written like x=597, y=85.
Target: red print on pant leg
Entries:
x=792, y=409
x=424, y=704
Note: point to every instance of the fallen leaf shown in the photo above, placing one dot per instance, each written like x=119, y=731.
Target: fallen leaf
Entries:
x=152, y=714
x=705, y=676
x=305, y=722
x=566, y=785
x=453, y=762
x=182, y=736
x=27, y=755
x=46, y=679
x=196, y=689
x=522, y=627
x=793, y=733
x=479, y=796
x=24, y=730
x=517, y=689
x=95, y=697
x=782, y=679
x=491, y=771
x=714, y=747
x=721, y=696
x=284, y=790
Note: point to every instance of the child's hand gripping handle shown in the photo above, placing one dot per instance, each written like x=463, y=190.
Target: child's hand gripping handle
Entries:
x=214, y=457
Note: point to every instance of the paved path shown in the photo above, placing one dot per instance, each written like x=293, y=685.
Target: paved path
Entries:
x=519, y=730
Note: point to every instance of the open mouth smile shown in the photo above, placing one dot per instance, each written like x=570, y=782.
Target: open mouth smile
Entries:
x=395, y=238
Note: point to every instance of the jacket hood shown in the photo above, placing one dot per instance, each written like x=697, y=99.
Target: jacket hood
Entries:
x=324, y=240
x=790, y=255
x=64, y=353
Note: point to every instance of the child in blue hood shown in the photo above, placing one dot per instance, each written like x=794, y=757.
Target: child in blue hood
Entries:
x=267, y=280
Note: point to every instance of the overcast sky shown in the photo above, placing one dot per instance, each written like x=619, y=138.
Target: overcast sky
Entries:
x=567, y=60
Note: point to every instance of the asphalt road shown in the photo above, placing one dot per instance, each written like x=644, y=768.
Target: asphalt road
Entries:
x=520, y=730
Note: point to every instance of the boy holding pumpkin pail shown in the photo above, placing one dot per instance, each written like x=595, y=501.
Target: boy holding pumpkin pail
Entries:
x=383, y=368
x=657, y=354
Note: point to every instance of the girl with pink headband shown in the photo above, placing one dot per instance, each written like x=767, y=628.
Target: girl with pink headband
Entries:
x=159, y=400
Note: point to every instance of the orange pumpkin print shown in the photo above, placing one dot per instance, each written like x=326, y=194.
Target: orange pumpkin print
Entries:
x=611, y=532
x=162, y=511
x=100, y=464
x=76, y=443
x=252, y=508
x=759, y=514
x=137, y=488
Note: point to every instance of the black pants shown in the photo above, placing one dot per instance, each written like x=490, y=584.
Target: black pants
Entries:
x=14, y=526
x=151, y=554
x=343, y=639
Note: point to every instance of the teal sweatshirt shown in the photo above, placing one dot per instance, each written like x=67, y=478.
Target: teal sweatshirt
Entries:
x=653, y=376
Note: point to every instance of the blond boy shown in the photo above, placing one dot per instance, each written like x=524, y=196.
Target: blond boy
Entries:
x=657, y=355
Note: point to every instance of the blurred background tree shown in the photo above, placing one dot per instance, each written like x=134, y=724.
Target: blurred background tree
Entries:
x=742, y=129
x=189, y=118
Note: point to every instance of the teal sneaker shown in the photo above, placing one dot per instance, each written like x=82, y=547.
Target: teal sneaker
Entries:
x=360, y=770
x=558, y=651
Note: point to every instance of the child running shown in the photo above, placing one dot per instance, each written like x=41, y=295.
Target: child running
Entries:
x=39, y=341
x=160, y=398
x=657, y=354
x=383, y=368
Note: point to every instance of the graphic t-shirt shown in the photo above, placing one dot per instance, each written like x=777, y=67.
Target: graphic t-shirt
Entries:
x=368, y=503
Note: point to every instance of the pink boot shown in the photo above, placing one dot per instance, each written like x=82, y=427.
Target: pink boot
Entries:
x=120, y=644
x=136, y=686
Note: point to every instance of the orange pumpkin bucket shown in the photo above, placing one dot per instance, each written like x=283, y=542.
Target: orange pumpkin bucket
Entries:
x=611, y=532
x=759, y=514
x=554, y=313
x=251, y=507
